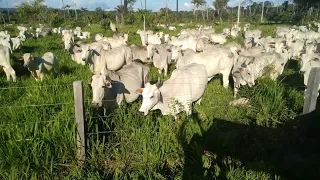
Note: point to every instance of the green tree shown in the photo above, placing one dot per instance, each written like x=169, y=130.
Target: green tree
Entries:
x=197, y=3
x=220, y=6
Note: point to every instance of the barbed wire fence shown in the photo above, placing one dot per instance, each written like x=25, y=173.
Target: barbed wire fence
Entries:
x=79, y=102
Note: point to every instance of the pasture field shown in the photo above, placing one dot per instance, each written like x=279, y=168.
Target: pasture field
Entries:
x=257, y=141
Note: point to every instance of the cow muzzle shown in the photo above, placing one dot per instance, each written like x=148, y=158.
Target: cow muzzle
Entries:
x=95, y=105
x=148, y=58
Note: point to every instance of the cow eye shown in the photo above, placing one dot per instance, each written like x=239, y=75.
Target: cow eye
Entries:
x=151, y=97
x=79, y=50
x=249, y=73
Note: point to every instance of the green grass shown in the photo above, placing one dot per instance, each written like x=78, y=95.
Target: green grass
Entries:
x=218, y=142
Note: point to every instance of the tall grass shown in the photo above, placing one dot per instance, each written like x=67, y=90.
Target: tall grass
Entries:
x=39, y=142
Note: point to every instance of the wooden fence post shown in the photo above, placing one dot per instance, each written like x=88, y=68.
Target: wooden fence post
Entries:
x=80, y=119
x=311, y=95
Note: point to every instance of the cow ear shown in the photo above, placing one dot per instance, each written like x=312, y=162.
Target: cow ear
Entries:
x=32, y=57
x=316, y=52
x=21, y=58
x=139, y=91
x=271, y=46
x=108, y=85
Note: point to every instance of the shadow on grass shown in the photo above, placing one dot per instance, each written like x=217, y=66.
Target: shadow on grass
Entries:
x=290, y=151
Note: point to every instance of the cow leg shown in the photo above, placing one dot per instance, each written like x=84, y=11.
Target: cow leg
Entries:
x=225, y=80
x=160, y=71
x=199, y=101
x=10, y=71
x=235, y=92
x=7, y=73
x=166, y=70
x=41, y=76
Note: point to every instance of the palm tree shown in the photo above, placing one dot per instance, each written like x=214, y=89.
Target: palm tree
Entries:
x=197, y=3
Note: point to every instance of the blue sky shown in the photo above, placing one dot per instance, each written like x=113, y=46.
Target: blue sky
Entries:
x=154, y=5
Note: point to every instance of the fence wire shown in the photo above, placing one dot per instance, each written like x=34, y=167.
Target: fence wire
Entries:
x=35, y=122
x=36, y=105
x=26, y=87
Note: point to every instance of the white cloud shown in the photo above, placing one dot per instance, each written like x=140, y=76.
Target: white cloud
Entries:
x=188, y=5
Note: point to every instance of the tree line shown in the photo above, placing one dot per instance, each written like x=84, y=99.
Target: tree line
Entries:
x=36, y=12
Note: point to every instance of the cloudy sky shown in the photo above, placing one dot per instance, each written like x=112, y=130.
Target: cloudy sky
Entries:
x=154, y=5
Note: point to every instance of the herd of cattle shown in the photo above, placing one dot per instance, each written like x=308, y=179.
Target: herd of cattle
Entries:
x=199, y=55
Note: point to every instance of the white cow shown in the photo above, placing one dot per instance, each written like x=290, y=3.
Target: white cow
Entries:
x=15, y=43
x=101, y=59
x=39, y=66
x=177, y=94
x=68, y=40
x=5, y=41
x=216, y=61
x=218, y=38
x=5, y=63
x=98, y=37
x=160, y=56
x=112, y=88
x=115, y=42
x=308, y=61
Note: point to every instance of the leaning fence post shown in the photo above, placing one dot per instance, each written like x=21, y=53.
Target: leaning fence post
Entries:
x=311, y=95
x=80, y=119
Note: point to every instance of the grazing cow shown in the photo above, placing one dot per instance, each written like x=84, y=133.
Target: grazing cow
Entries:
x=249, y=68
x=100, y=59
x=39, y=66
x=112, y=88
x=5, y=63
x=216, y=61
x=177, y=94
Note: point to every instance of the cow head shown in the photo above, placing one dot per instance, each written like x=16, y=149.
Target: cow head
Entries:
x=305, y=64
x=99, y=83
x=176, y=51
x=27, y=57
x=247, y=71
x=86, y=52
x=151, y=50
x=151, y=95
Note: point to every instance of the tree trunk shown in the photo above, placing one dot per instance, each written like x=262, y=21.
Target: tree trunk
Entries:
x=8, y=12
x=75, y=11
x=207, y=13
x=262, y=12
x=125, y=3
x=238, y=18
